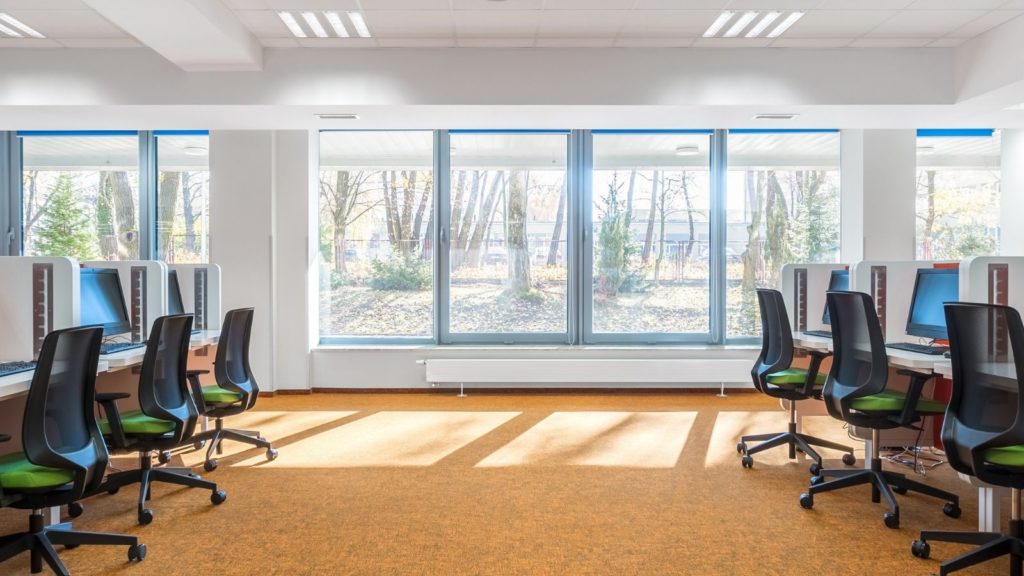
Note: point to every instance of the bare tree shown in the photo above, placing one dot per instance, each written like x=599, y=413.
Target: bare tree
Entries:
x=515, y=233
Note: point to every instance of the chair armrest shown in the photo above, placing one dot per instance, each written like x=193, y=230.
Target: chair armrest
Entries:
x=917, y=381
x=191, y=373
x=108, y=401
x=5, y=437
x=197, y=389
x=812, y=371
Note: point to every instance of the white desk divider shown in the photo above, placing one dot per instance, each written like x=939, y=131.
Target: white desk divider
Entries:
x=200, y=293
x=803, y=288
x=144, y=283
x=993, y=280
x=40, y=295
x=891, y=285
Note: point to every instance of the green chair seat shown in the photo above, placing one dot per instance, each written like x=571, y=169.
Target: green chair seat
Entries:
x=795, y=377
x=16, y=472
x=218, y=395
x=1012, y=456
x=135, y=422
x=889, y=401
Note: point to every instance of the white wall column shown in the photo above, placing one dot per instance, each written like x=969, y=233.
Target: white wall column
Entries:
x=1011, y=203
x=878, y=174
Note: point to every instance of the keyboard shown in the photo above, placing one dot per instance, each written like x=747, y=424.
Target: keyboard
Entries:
x=919, y=348
x=115, y=347
x=8, y=368
x=818, y=333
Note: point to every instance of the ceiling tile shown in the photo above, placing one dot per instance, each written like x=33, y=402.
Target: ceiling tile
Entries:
x=280, y=42
x=406, y=4
x=674, y=5
x=946, y=42
x=69, y=23
x=842, y=23
x=588, y=4
x=654, y=42
x=773, y=4
x=337, y=42
x=593, y=24
x=956, y=4
x=484, y=23
x=263, y=23
x=43, y=5
x=786, y=42
x=1013, y=5
x=575, y=42
x=985, y=23
x=491, y=5
x=731, y=42
x=924, y=23
x=410, y=23
x=100, y=42
x=864, y=4
x=28, y=43
x=416, y=42
x=304, y=4
x=890, y=42
x=686, y=23
x=495, y=42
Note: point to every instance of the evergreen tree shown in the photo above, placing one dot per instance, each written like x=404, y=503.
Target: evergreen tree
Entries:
x=64, y=229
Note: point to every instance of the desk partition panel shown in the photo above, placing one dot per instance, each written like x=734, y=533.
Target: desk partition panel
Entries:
x=891, y=285
x=40, y=294
x=803, y=287
x=200, y=293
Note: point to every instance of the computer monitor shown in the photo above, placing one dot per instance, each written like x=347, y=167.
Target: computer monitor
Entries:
x=933, y=287
x=174, y=302
x=839, y=281
x=101, y=301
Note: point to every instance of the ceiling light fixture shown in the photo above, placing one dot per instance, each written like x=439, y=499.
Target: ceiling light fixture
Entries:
x=785, y=24
x=15, y=23
x=740, y=24
x=314, y=24
x=9, y=32
x=687, y=150
x=718, y=24
x=335, y=21
x=359, y=24
x=338, y=116
x=763, y=24
x=292, y=24
x=774, y=116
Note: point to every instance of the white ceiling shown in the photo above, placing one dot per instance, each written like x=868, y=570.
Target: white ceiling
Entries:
x=557, y=23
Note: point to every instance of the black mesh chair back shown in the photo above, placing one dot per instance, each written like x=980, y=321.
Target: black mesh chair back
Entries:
x=59, y=429
x=860, y=366
x=776, y=337
x=986, y=405
x=231, y=368
x=163, y=387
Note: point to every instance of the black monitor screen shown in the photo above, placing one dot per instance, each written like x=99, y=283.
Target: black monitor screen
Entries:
x=933, y=288
x=174, y=302
x=840, y=281
x=102, y=301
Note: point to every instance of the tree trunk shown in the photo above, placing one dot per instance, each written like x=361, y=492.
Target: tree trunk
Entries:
x=929, y=219
x=652, y=215
x=692, y=230
x=629, y=198
x=556, y=234
x=776, y=228
x=461, y=240
x=105, y=219
x=170, y=186
x=425, y=201
x=191, y=242
x=488, y=208
x=127, y=230
x=516, y=241
x=342, y=192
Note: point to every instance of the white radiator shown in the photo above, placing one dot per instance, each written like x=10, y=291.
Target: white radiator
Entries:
x=580, y=371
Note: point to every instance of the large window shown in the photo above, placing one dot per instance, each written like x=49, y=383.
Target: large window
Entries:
x=782, y=206
x=957, y=194
x=650, y=206
x=376, y=235
x=183, y=197
x=507, y=234
x=80, y=196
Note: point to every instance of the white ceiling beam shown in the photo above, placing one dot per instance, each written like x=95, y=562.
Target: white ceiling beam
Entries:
x=196, y=35
x=990, y=67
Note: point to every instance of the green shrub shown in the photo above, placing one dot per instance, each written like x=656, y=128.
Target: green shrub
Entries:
x=402, y=272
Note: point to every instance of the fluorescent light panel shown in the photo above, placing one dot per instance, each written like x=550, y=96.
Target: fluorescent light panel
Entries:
x=314, y=24
x=740, y=24
x=336, y=24
x=9, y=31
x=718, y=24
x=785, y=24
x=774, y=116
x=338, y=116
x=292, y=24
x=19, y=25
x=763, y=24
x=359, y=24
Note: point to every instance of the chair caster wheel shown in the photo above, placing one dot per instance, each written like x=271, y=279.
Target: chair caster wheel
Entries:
x=920, y=549
x=145, y=516
x=198, y=444
x=951, y=510
x=271, y=454
x=218, y=497
x=741, y=448
x=815, y=480
x=747, y=462
x=137, y=553
x=849, y=459
x=113, y=491
x=891, y=520
x=899, y=490
x=815, y=469
x=806, y=501
x=75, y=509
x=210, y=465
x=163, y=457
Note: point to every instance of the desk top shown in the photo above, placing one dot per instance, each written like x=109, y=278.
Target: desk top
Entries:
x=904, y=359
x=16, y=384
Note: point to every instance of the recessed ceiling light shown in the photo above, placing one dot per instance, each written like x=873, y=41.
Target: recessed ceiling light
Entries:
x=194, y=151
x=719, y=22
x=15, y=23
x=763, y=24
x=774, y=116
x=9, y=32
x=292, y=24
x=785, y=24
x=338, y=116
x=687, y=150
x=740, y=24
x=926, y=149
x=359, y=24
x=314, y=24
x=335, y=21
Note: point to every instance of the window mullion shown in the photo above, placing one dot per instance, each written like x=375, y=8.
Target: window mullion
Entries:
x=442, y=215
x=717, y=229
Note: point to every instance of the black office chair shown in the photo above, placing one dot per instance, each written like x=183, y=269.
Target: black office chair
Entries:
x=64, y=456
x=773, y=374
x=983, y=432
x=857, y=392
x=166, y=418
x=236, y=390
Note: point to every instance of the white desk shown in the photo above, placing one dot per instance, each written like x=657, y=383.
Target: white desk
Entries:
x=18, y=384
x=134, y=356
x=923, y=363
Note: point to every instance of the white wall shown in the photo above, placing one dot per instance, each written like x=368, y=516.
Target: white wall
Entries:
x=1012, y=193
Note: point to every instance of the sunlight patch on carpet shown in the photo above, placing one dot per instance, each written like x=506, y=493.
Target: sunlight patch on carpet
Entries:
x=730, y=426
x=625, y=439
x=389, y=439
